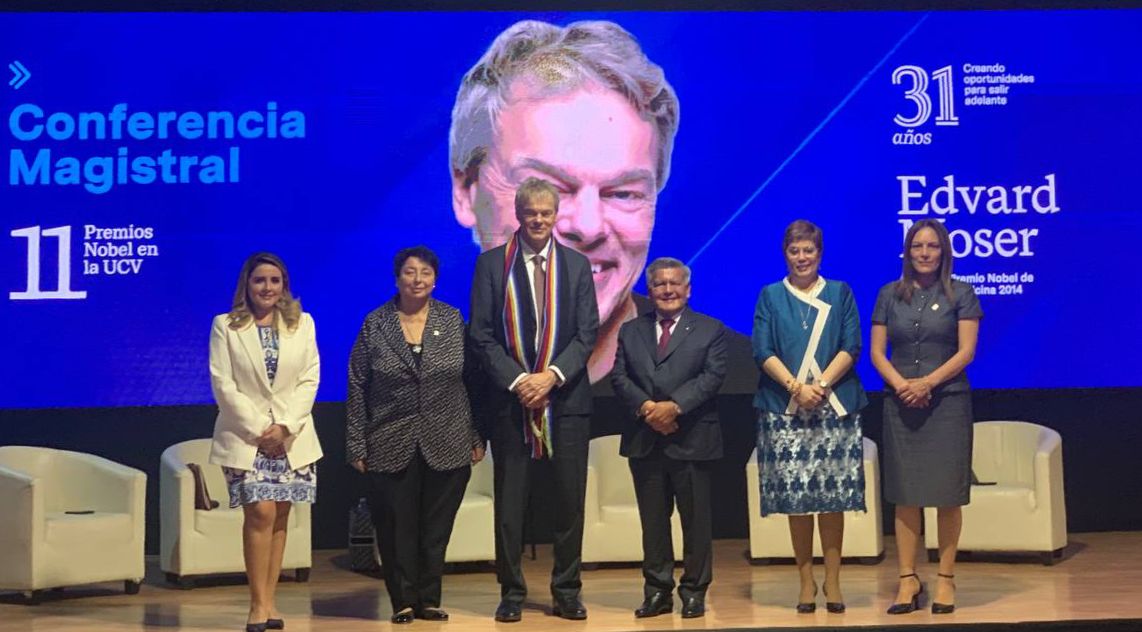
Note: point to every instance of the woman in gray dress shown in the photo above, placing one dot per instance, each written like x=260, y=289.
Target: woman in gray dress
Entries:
x=932, y=323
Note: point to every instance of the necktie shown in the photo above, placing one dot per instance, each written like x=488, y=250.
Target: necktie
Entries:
x=539, y=288
x=664, y=339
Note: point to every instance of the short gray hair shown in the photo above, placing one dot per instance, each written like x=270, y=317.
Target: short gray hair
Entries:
x=667, y=263
x=559, y=58
x=532, y=187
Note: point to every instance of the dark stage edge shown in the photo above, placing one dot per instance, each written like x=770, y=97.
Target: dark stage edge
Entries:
x=1077, y=625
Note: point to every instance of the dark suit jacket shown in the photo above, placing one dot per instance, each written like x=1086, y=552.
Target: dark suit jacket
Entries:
x=393, y=407
x=577, y=328
x=690, y=375
x=742, y=373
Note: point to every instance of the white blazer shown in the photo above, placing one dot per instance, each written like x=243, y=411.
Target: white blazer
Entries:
x=247, y=404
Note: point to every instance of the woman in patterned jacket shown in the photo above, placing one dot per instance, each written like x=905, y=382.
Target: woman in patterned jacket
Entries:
x=410, y=428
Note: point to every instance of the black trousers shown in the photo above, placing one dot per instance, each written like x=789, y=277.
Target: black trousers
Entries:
x=514, y=469
x=413, y=512
x=659, y=482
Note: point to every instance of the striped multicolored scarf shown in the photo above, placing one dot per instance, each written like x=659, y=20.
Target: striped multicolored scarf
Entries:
x=536, y=423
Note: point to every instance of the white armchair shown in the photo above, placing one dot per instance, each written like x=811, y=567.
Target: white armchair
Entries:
x=69, y=518
x=473, y=534
x=1025, y=510
x=612, y=531
x=201, y=542
x=864, y=538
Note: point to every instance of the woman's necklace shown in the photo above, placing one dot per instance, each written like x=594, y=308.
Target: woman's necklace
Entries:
x=805, y=315
x=416, y=346
x=804, y=307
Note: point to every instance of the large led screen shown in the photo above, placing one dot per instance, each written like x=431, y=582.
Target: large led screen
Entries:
x=149, y=154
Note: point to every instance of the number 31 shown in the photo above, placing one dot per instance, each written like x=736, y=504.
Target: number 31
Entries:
x=918, y=94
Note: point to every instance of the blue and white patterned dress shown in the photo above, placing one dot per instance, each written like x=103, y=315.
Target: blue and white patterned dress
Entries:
x=809, y=461
x=271, y=478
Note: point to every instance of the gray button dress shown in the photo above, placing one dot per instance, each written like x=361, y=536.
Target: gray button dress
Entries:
x=927, y=451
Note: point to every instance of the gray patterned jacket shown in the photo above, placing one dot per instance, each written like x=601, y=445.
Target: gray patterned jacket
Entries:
x=394, y=409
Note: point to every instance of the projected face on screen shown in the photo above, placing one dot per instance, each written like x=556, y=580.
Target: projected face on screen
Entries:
x=605, y=180
x=551, y=114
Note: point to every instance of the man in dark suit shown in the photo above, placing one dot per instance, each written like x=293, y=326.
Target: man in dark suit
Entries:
x=669, y=366
x=533, y=324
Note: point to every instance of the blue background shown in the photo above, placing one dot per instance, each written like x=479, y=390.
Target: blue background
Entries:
x=800, y=103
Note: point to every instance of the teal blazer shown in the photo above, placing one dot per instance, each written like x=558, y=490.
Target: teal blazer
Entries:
x=785, y=325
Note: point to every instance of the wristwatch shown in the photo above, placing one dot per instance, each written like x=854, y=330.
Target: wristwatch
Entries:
x=823, y=384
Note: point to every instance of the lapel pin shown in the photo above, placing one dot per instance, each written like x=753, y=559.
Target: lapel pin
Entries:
x=935, y=306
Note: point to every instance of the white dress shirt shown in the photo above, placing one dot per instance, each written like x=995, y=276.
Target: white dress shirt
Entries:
x=658, y=325
x=529, y=263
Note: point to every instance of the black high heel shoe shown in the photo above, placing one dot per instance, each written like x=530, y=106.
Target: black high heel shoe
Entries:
x=808, y=607
x=944, y=608
x=834, y=607
x=911, y=606
x=431, y=613
x=275, y=624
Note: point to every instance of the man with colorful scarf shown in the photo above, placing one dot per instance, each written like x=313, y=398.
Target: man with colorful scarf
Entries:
x=534, y=320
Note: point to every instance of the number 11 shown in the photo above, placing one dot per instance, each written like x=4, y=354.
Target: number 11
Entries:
x=32, y=291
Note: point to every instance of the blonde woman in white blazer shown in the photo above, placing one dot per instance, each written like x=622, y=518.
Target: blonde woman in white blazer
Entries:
x=264, y=370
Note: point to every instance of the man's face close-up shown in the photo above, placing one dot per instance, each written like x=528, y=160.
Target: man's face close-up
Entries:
x=600, y=155
x=669, y=290
x=537, y=219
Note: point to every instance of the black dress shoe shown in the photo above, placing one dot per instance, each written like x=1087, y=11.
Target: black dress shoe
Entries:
x=693, y=607
x=404, y=616
x=275, y=624
x=808, y=607
x=944, y=608
x=911, y=605
x=432, y=614
x=569, y=609
x=508, y=612
x=654, y=605
x=834, y=607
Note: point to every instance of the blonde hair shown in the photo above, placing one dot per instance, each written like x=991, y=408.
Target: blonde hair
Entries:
x=532, y=188
x=287, y=309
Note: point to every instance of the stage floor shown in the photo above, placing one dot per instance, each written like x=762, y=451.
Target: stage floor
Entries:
x=1097, y=579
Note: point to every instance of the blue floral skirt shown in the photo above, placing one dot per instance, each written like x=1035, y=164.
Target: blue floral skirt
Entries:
x=271, y=479
x=810, y=463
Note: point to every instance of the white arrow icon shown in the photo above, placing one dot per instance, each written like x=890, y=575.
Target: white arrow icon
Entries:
x=20, y=75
